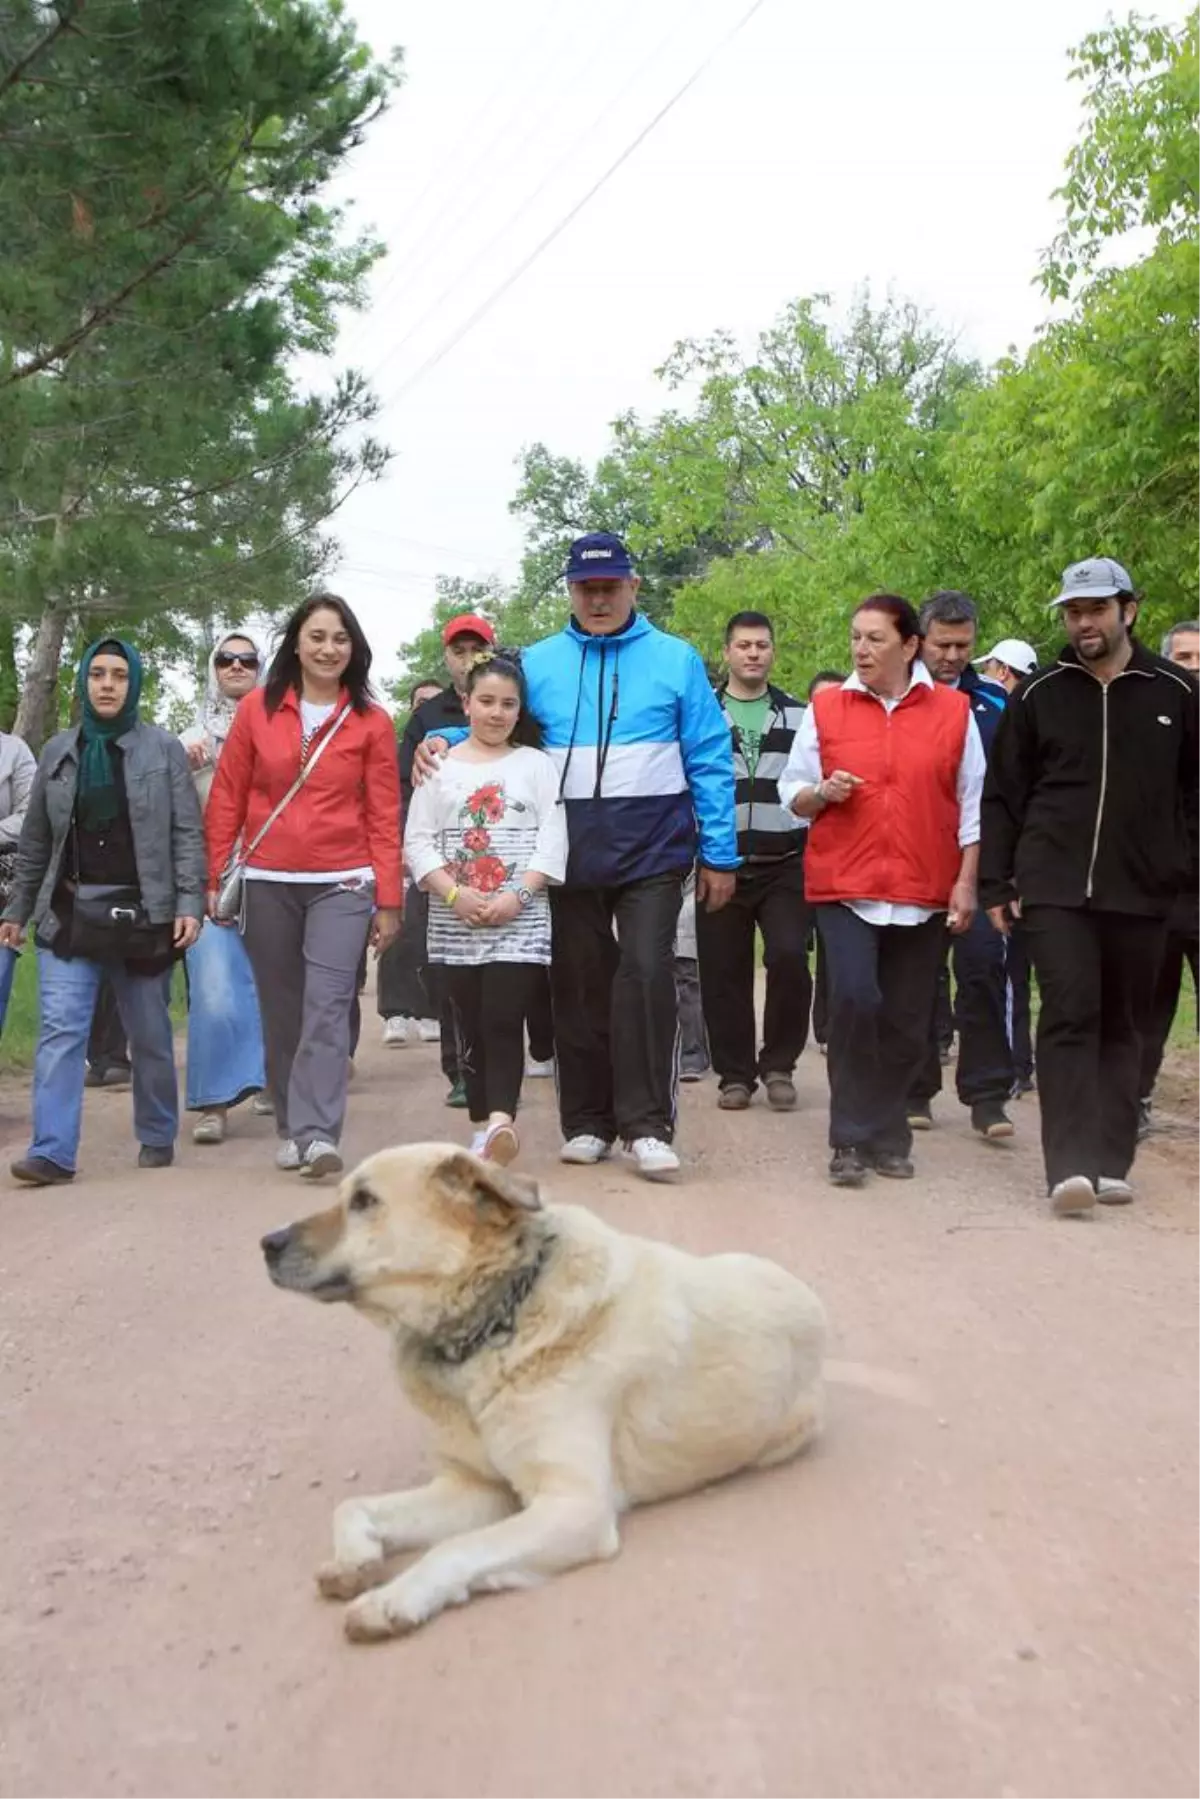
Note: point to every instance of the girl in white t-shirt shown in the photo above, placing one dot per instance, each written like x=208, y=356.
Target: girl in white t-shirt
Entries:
x=485, y=835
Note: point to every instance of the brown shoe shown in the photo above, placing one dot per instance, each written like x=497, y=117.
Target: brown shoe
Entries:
x=781, y=1092
x=733, y=1099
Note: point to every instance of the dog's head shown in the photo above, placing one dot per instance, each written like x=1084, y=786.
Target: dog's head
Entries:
x=410, y=1227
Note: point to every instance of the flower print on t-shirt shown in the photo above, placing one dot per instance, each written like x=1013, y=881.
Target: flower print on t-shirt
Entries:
x=476, y=866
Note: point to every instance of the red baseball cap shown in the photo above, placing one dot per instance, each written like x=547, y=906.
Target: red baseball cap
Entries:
x=468, y=624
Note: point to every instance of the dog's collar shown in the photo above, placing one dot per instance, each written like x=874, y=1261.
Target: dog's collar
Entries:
x=494, y=1319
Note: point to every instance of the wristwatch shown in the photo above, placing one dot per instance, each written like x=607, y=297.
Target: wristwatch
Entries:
x=524, y=897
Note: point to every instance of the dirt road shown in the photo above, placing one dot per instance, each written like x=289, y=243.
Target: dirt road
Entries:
x=982, y=1583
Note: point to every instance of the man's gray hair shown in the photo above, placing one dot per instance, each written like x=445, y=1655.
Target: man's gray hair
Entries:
x=1168, y=642
x=948, y=607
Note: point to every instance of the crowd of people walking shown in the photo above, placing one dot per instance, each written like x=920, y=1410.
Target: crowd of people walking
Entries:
x=595, y=838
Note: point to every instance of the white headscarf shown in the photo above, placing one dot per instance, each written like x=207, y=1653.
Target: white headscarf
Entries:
x=214, y=721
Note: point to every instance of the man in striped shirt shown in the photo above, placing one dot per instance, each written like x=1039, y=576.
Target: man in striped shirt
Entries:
x=769, y=895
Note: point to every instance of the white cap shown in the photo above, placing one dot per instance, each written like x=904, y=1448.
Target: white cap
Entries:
x=1020, y=657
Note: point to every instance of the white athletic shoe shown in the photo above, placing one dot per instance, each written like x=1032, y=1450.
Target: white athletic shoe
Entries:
x=210, y=1128
x=395, y=1031
x=1072, y=1196
x=261, y=1106
x=478, y=1141
x=287, y=1156
x=1112, y=1191
x=585, y=1150
x=429, y=1030
x=654, y=1158
x=501, y=1144
x=321, y=1158
x=539, y=1071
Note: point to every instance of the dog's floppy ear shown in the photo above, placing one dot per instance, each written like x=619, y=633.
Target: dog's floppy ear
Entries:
x=464, y=1176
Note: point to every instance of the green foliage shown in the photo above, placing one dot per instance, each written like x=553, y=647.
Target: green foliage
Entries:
x=167, y=255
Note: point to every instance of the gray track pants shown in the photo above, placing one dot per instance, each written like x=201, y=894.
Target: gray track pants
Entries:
x=304, y=941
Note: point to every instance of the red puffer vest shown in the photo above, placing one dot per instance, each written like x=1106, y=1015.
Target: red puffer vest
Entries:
x=896, y=837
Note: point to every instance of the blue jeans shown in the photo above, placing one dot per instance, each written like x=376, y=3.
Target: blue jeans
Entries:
x=224, y=1035
x=8, y=968
x=68, y=999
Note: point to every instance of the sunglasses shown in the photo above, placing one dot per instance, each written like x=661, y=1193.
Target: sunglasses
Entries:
x=231, y=659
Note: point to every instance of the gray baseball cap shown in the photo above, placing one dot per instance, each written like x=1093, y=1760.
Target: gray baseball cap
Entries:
x=1100, y=578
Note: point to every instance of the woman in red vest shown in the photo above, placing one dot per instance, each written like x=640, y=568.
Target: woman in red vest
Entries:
x=889, y=769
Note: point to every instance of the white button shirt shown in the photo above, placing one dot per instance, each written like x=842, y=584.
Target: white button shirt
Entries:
x=804, y=770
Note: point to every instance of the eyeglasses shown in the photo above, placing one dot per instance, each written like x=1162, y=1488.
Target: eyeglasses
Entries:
x=232, y=659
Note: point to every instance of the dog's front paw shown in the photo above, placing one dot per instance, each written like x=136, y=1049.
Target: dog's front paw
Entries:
x=341, y=1580
x=374, y=1616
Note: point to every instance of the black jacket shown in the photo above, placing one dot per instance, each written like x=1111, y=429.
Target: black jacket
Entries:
x=1091, y=790
x=441, y=711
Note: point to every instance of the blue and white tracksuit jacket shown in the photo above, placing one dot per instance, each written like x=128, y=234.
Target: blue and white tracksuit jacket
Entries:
x=642, y=749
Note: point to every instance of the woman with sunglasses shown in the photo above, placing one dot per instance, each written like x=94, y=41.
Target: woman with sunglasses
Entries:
x=322, y=875
x=224, y=1040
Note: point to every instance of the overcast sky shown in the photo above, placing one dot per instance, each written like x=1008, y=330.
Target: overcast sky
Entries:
x=914, y=147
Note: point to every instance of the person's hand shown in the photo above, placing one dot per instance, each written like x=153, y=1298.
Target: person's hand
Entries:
x=1004, y=916
x=426, y=757
x=12, y=936
x=836, y=788
x=502, y=908
x=385, y=928
x=714, y=888
x=964, y=902
x=186, y=932
x=197, y=755
x=472, y=907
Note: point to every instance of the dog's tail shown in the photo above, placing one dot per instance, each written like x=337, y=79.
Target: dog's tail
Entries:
x=880, y=1381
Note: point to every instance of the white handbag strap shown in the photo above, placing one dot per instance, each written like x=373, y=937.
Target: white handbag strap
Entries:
x=297, y=784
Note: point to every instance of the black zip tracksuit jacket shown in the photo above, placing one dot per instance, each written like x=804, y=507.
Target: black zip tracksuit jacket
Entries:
x=1091, y=789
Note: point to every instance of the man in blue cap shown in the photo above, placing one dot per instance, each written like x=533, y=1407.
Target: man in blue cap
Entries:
x=646, y=774
x=1090, y=829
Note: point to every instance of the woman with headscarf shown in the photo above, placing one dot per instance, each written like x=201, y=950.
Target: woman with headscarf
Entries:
x=224, y=1043
x=111, y=870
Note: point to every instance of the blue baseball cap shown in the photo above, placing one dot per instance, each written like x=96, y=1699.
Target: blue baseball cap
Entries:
x=598, y=557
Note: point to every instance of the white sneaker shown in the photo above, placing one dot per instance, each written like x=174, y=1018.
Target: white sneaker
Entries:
x=210, y=1128
x=1072, y=1196
x=429, y=1030
x=478, y=1141
x=261, y=1106
x=287, y=1156
x=539, y=1071
x=585, y=1150
x=395, y=1031
x=321, y=1158
x=1111, y=1191
x=501, y=1144
x=654, y=1158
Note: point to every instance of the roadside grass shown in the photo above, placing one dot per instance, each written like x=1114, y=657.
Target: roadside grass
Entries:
x=19, y=1039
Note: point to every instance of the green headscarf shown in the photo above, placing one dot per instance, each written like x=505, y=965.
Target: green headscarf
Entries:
x=96, y=792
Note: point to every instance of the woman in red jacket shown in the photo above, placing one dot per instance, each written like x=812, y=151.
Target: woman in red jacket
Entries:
x=326, y=874
x=888, y=768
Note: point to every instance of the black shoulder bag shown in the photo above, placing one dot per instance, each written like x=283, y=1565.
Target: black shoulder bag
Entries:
x=110, y=923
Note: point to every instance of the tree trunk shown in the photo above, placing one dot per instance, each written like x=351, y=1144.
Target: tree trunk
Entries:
x=37, y=712
x=10, y=683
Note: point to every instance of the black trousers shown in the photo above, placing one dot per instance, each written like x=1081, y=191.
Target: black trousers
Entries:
x=615, y=1022
x=820, y=1005
x=985, y=1060
x=539, y=1019
x=409, y=986
x=882, y=981
x=1178, y=949
x=1017, y=968
x=769, y=897
x=1095, y=974
x=488, y=1004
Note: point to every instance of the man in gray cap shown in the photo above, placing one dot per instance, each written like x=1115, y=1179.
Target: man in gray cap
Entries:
x=1090, y=831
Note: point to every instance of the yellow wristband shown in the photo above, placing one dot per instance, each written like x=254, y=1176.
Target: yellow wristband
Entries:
x=451, y=894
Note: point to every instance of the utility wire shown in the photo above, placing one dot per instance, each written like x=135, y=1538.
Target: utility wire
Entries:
x=431, y=362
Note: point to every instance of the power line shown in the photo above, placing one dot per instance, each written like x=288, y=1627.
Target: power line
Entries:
x=431, y=362
x=553, y=174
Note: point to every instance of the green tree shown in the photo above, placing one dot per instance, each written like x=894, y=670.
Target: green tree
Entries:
x=452, y=595
x=167, y=256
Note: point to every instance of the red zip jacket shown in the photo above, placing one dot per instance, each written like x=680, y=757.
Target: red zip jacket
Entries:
x=896, y=838
x=346, y=815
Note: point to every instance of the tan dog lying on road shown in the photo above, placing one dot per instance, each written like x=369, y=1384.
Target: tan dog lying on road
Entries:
x=570, y=1371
